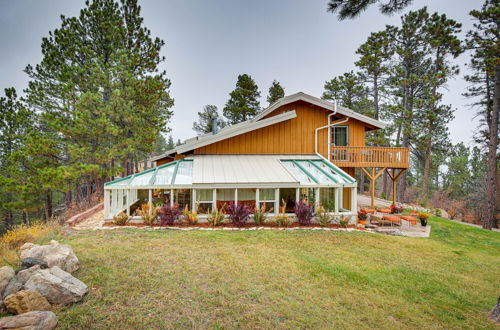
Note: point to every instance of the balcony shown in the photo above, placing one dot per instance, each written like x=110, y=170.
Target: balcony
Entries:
x=370, y=157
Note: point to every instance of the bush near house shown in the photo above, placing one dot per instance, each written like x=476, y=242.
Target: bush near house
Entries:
x=168, y=214
x=239, y=213
x=304, y=213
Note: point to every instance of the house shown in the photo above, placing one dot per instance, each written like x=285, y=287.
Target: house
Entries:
x=299, y=148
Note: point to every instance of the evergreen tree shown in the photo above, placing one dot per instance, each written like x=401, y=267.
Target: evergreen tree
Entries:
x=353, y=8
x=276, y=92
x=441, y=35
x=160, y=145
x=179, y=142
x=15, y=124
x=484, y=42
x=205, y=120
x=170, y=143
x=349, y=91
x=243, y=103
x=98, y=87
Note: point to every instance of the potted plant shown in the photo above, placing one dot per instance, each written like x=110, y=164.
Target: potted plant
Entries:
x=423, y=216
x=362, y=216
x=396, y=210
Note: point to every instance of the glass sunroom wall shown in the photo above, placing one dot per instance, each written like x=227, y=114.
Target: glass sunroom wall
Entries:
x=288, y=195
x=141, y=197
x=161, y=196
x=204, y=200
x=308, y=195
x=183, y=198
x=224, y=198
x=246, y=196
x=327, y=198
x=267, y=197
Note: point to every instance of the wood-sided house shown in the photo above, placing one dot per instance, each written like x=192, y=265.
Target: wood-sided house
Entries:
x=299, y=148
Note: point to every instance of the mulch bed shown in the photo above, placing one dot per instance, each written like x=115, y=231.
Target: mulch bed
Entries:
x=230, y=225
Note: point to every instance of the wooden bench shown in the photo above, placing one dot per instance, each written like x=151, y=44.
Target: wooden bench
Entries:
x=410, y=219
x=392, y=219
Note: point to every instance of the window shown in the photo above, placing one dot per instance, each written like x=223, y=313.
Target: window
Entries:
x=247, y=197
x=288, y=195
x=267, y=197
x=224, y=197
x=340, y=136
x=182, y=198
x=327, y=198
x=204, y=199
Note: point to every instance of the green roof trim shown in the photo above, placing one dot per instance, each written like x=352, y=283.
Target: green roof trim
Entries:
x=322, y=171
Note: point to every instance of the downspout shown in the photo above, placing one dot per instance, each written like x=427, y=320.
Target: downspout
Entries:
x=329, y=131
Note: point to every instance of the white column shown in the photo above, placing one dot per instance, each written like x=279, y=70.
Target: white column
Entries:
x=337, y=200
x=257, y=197
x=297, y=195
x=236, y=196
x=128, y=202
x=193, y=200
x=276, y=200
x=172, y=198
x=354, y=200
x=317, y=198
x=150, y=201
x=214, y=199
x=106, y=204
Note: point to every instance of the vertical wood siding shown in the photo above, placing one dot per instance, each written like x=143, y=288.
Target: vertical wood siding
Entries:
x=294, y=136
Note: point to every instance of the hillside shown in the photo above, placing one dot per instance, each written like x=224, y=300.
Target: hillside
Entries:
x=199, y=279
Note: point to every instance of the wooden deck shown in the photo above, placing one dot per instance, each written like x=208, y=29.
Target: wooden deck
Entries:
x=368, y=156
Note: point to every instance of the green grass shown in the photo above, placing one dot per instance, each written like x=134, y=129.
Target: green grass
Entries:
x=297, y=279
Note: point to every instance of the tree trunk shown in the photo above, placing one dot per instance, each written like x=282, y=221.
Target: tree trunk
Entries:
x=491, y=176
x=362, y=179
x=427, y=169
x=48, y=205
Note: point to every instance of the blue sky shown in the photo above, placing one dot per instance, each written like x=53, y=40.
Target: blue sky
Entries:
x=208, y=43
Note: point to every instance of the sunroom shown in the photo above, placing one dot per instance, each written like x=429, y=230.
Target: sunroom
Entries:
x=206, y=182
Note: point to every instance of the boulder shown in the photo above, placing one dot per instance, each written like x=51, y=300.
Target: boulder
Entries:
x=54, y=254
x=495, y=312
x=6, y=274
x=58, y=286
x=24, y=275
x=30, y=321
x=30, y=262
x=26, y=301
x=14, y=286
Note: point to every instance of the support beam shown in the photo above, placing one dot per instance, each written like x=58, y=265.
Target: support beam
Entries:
x=150, y=201
x=128, y=202
x=394, y=177
x=106, y=204
x=373, y=177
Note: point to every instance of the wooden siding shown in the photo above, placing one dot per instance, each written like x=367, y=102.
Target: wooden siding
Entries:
x=294, y=136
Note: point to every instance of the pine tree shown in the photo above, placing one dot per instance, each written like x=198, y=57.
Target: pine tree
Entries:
x=98, y=87
x=205, y=120
x=276, y=92
x=15, y=123
x=243, y=103
x=170, y=143
x=441, y=35
x=349, y=91
x=178, y=143
x=484, y=42
x=353, y=8
x=160, y=145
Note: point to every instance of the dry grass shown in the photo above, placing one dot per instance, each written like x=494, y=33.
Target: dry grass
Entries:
x=197, y=279
x=14, y=238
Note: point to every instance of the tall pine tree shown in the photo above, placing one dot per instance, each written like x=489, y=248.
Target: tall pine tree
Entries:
x=243, y=103
x=205, y=120
x=276, y=92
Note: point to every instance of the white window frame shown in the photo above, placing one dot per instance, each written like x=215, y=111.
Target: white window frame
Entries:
x=333, y=135
x=274, y=201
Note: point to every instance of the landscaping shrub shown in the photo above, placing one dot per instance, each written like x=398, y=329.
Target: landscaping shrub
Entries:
x=239, y=213
x=438, y=212
x=323, y=217
x=191, y=217
x=121, y=219
x=304, y=213
x=344, y=221
x=282, y=219
x=21, y=234
x=216, y=217
x=396, y=210
x=362, y=215
x=147, y=218
x=260, y=216
x=168, y=214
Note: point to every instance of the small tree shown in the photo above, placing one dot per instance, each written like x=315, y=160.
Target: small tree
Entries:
x=205, y=120
x=243, y=103
x=276, y=92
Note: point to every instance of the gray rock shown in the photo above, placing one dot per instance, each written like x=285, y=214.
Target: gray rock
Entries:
x=30, y=262
x=58, y=286
x=14, y=286
x=30, y=321
x=54, y=254
x=6, y=274
x=495, y=312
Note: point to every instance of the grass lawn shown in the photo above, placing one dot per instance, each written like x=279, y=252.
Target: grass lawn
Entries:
x=307, y=279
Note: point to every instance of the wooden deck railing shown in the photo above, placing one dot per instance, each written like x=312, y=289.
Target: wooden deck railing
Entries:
x=370, y=157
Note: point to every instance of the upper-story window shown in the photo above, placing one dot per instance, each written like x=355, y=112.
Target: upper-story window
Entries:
x=340, y=136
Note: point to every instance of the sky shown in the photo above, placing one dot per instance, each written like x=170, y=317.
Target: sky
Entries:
x=209, y=43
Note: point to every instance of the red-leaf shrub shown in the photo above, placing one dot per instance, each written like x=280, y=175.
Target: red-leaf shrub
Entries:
x=168, y=214
x=396, y=210
x=362, y=214
x=303, y=212
x=239, y=213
